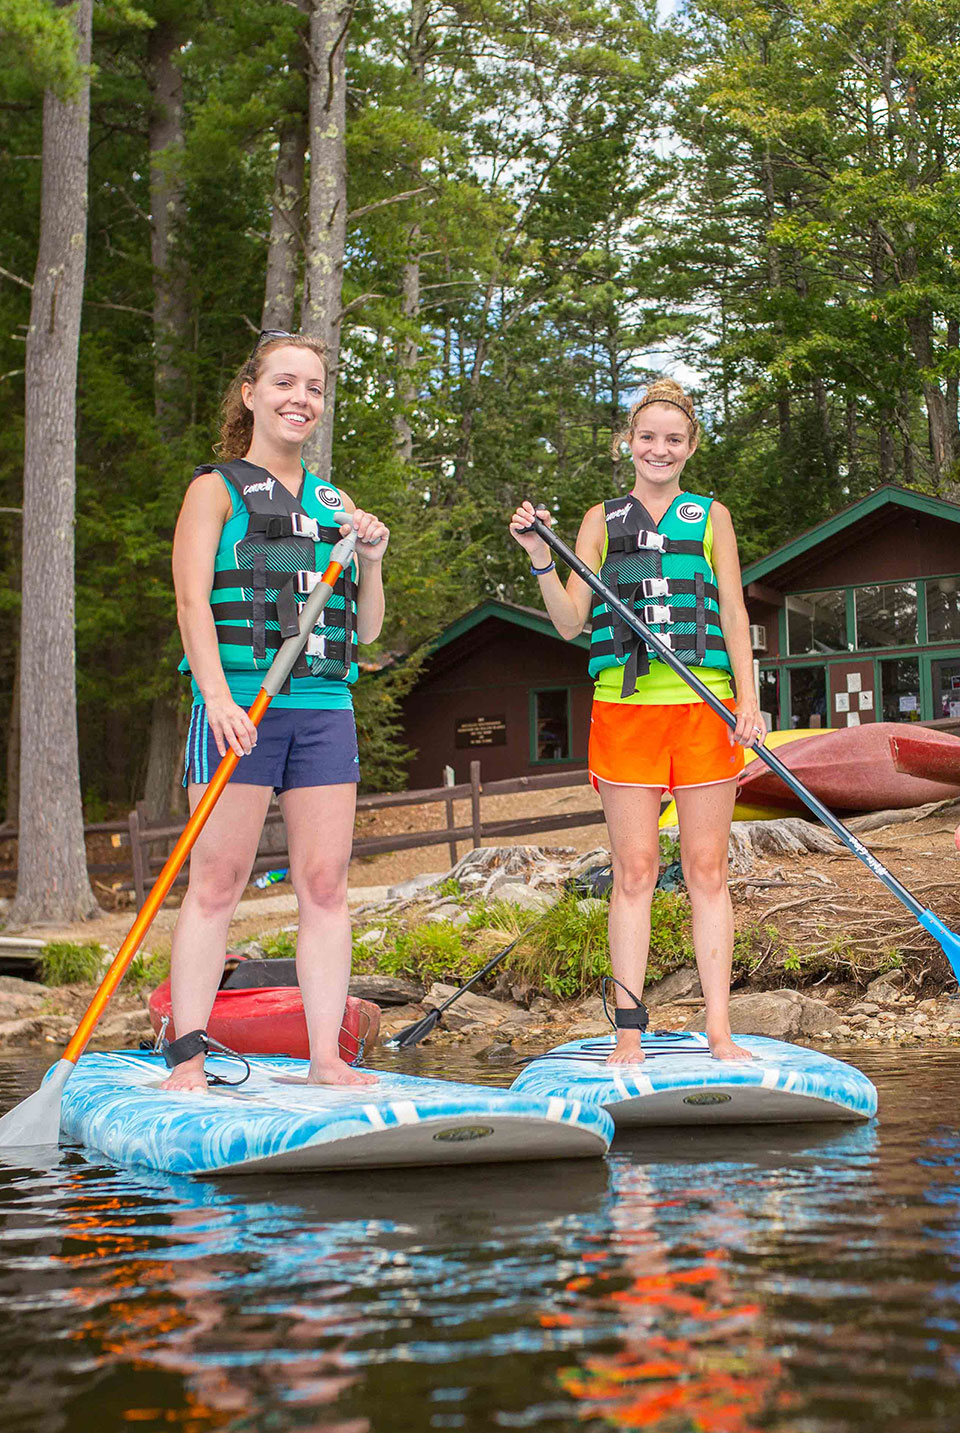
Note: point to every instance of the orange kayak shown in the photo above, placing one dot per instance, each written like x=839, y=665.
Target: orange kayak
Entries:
x=269, y=1020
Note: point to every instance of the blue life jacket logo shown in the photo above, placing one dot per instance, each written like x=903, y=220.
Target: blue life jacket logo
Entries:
x=690, y=512
x=329, y=497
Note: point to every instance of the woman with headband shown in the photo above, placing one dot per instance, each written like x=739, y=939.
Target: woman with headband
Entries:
x=255, y=531
x=672, y=557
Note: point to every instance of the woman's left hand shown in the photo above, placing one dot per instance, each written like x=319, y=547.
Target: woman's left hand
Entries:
x=751, y=729
x=372, y=536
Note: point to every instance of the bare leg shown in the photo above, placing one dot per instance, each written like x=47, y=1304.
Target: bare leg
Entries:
x=705, y=814
x=320, y=832
x=219, y=869
x=631, y=813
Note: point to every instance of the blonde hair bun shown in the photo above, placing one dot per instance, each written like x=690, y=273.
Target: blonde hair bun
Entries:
x=661, y=390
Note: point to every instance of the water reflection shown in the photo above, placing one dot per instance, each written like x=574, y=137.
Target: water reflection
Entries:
x=788, y=1279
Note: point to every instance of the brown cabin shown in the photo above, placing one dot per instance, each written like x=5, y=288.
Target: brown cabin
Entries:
x=858, y=620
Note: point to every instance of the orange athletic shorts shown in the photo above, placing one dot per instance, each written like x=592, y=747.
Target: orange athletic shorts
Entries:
x=665, y=746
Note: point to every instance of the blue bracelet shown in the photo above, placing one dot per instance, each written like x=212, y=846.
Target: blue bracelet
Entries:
x=542, y=571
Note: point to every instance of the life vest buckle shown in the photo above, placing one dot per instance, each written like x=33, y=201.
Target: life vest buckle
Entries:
x=655, y=615
x=305, y=582
x=651, y=541
x=655, y=587
x=317, y=643
x=303, y=526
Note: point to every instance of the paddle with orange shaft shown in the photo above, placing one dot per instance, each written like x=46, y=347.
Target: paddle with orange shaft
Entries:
x=948, y=940
x=36, y=1120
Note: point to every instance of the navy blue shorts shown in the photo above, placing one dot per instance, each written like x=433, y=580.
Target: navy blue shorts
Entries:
x=295, y=747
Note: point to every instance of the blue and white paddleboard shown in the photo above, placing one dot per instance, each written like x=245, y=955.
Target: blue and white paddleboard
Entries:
x=113, y=1103
x=679, y=1082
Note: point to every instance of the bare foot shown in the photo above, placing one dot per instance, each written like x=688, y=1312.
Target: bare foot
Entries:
x=187, y=1076
x=628, y=1050
x=723, y=1048
x=338, y=1072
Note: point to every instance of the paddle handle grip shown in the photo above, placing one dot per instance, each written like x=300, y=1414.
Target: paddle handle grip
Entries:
x=280, y=668
x=665, y=655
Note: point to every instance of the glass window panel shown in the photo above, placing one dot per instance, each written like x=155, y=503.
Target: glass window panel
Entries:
x=816, y=622
x=770, y=695
x=946, y=688
x=887, y=615
x=808, y=696
x=943, y=609
x=552, y=725
x=900, y=689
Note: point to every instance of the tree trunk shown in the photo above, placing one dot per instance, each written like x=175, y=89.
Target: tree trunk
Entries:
x=286, y=217
x=13, y=748
x=410, y=281
x=52, y=883
x=323, y=277
x=286, y=229
x=171, y=337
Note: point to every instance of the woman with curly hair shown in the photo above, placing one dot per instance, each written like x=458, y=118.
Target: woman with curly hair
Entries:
x=672, y=557
x=255, y=531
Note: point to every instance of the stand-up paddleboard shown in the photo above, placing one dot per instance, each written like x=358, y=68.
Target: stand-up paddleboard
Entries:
x=113, y=1103
x=679, y=1082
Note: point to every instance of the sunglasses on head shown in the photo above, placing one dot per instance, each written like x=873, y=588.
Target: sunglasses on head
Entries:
x=266, y=334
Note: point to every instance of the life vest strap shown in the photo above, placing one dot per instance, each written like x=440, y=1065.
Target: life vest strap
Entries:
x=281, y=525
x=647, y=541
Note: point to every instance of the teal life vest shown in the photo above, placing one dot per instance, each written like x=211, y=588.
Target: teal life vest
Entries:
x=271, y=555
x=661, y=572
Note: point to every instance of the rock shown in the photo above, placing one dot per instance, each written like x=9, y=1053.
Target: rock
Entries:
x=370, y=937
x=20, y=1032
x=586, y=1029
x=678, y=985
x=864, y=1007
x=885, y=986
x=398, y=1016
x=518, y=1024
x=468, y=1008
x=525, y=897
x=406, y=890
x=780, y=1014
x=446, y=912
x=587, y=904
x=386, y=989
x=598, y=857
x=122, y=1031
x=541, y=1006
x=29, y=1000
x=501, y=1052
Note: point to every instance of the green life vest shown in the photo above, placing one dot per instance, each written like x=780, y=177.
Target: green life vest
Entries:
x=661, y=572
x=270, y=556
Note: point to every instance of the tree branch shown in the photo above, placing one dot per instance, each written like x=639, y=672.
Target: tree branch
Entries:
x=381, y=203
x=16, y=279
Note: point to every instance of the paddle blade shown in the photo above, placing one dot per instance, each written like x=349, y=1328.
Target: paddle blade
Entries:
x=36, y=1120
x=412, y=1035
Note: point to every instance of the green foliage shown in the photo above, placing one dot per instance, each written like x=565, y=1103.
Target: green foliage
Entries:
x=450, y=887
x=64, y=962
x=432, y=951
x=280, y=946
x=146, y=972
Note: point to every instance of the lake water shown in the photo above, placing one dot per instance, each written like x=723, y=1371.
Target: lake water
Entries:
x=802, y=1279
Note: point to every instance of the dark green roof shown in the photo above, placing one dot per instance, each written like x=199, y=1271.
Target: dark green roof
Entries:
x=864, y=507
x=527, y=617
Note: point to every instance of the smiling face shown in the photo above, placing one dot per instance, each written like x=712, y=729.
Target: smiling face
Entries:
x=661, y=442
x=286, y=399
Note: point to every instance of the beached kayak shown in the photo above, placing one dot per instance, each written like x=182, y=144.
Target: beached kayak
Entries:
x=268, y=1019
x=112, y=1103
x=680, y=1083
x=848, y=770
x=914, y=754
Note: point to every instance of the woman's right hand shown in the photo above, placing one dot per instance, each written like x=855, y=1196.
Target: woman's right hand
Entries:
x=533, y=545
x=230, y=726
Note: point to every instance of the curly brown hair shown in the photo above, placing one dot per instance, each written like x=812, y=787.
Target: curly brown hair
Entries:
x=661, y=390
x=236, y=420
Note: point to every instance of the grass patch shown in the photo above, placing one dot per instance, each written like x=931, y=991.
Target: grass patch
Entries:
x=282, y=945
x=148, y=971
x=63, y=962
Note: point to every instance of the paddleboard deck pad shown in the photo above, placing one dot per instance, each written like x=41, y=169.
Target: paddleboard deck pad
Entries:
x=113, y=1103
x=680, y=1083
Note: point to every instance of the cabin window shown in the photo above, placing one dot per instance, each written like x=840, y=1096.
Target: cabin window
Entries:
x=817, y=622
x=943, y=609
x=551, y=725
x=769, y=693
x=808, y=697
x=887, y=615
x=900, y=689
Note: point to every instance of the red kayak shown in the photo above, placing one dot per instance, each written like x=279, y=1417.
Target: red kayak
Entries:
x=257, y=1019
x=915, y=755
x=853, y=769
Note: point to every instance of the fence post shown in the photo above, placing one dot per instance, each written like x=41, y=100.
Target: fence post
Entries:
x=449, y=779
x=475, y=804
x=136, y=857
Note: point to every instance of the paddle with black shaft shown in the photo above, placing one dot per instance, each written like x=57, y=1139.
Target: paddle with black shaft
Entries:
x=36, y=1120
x=412, y=1034
x=949, y=941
